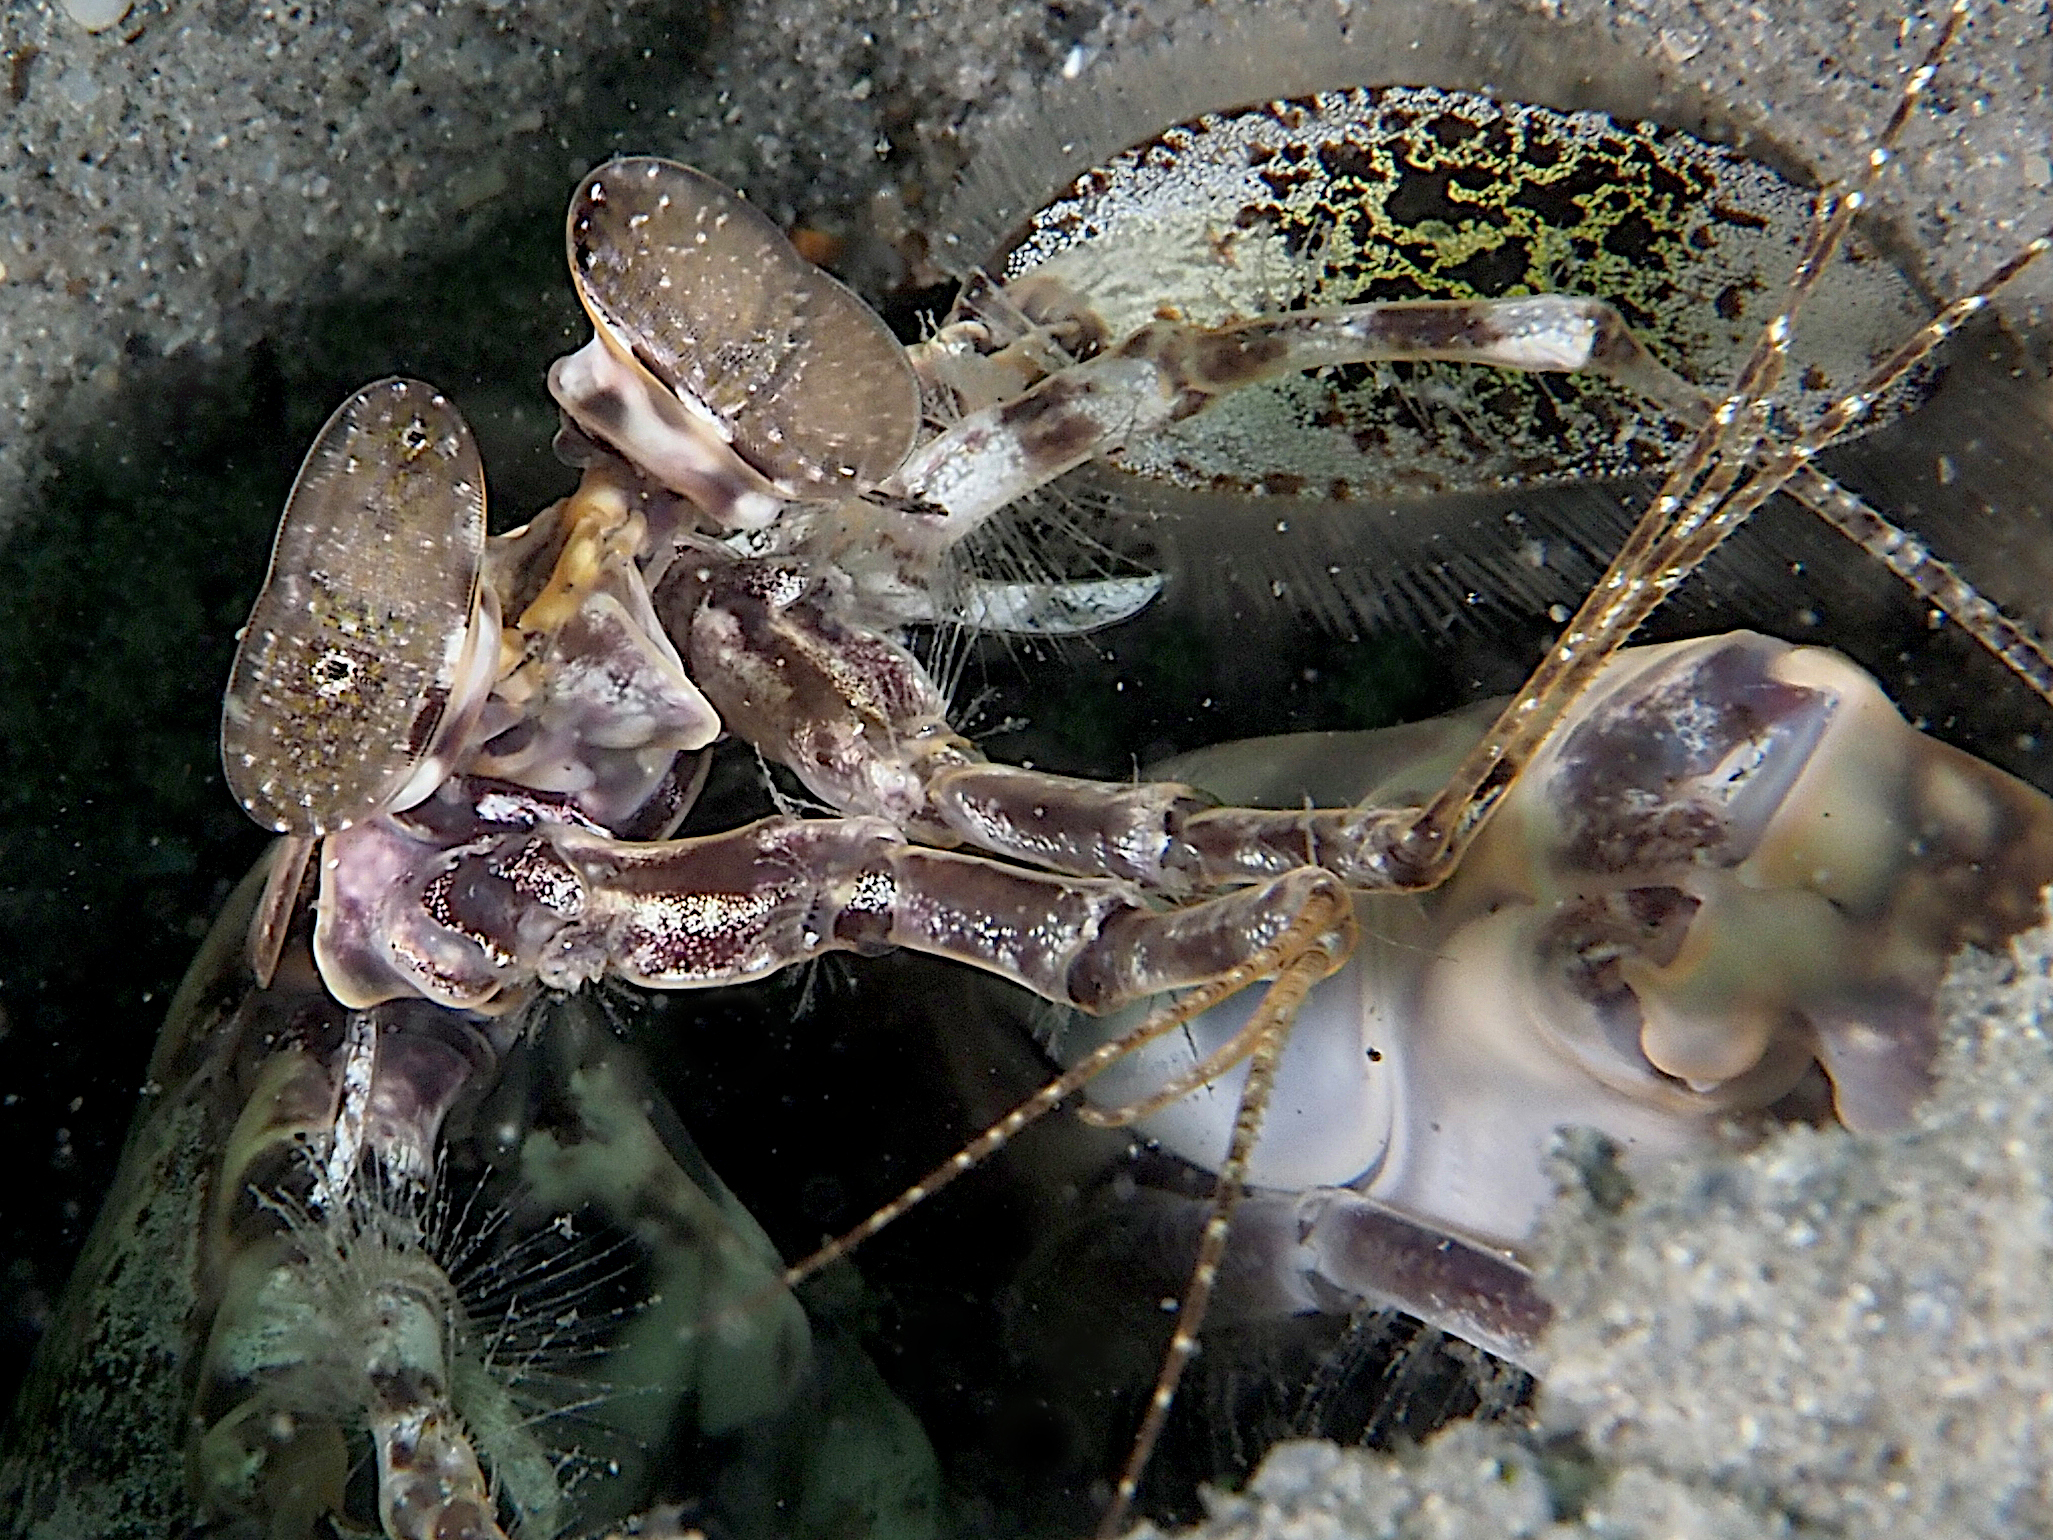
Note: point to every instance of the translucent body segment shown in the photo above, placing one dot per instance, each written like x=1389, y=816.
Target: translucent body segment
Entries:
x=356, y=644
x=1407, y=193
x=706, y=294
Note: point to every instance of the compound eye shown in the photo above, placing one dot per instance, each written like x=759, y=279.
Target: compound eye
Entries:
x=356, y=644
x=706, y=294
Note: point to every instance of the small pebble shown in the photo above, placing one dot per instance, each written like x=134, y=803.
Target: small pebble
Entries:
x=97, y=15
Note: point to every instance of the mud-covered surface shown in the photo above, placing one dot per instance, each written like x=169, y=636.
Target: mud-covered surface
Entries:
x=216, y=220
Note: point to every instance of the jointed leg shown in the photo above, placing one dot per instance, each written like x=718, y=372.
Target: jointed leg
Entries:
x=474, y=915
x=1170, y=370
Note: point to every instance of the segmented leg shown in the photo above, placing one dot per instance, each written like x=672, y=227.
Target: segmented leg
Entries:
x=1170, y=370
x=864, y=726
x=472, y=908
x=430, y=1486
x=1714, y=487
x=336, y=1310
x=475, y=913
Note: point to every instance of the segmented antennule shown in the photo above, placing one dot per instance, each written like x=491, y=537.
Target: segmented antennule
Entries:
x=364, y=652
x=754, y=350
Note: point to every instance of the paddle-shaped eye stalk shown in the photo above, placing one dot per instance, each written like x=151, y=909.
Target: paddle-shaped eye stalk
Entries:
x=361, y=650
x=797, y=375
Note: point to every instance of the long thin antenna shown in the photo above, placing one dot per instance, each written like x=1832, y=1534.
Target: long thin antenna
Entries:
x=1645, y=570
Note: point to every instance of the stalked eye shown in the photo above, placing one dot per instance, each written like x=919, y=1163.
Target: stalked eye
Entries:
x=707, y=295
x=355, y=646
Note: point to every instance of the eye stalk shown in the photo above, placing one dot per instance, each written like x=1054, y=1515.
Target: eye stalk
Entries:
x=371, y=641
x=724, y=363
